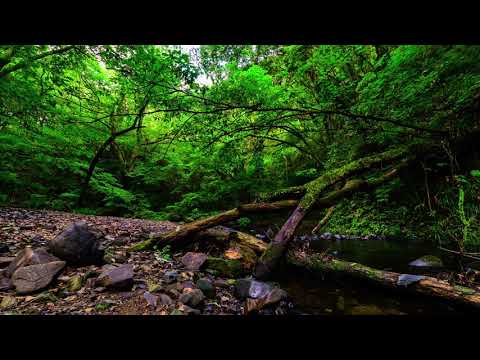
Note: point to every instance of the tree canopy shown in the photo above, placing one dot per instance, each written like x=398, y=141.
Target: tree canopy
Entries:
x=135, y=131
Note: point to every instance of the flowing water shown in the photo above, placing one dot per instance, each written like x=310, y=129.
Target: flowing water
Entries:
x=333, y=295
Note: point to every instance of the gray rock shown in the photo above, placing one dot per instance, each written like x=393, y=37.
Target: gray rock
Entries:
x=193, y=261
x=151, y=299
x=251, y=288
x=117, y=278
x=427, y=261
x=258, y=294
x=31, y=278
x=5, y=283
x=28, y=257
x=207, y=287
x=165, y=299
x=171, y=276
x=192, y=297
x=274, y=296
x=78, y=244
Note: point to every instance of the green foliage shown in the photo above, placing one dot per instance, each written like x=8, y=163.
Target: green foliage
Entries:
x=243, y=222
x=273, y=117
x=163, y=254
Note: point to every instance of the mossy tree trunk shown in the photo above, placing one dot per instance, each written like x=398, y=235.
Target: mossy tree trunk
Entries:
x=425, y=285
x=184, y=233
x=312, y=198
x=276, y=249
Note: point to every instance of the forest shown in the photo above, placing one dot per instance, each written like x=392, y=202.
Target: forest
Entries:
x=239, y=179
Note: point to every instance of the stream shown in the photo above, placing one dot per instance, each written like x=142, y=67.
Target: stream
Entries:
x=321, y=294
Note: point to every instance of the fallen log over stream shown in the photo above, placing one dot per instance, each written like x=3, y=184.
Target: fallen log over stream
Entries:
x=277, y=248
x=424, y=285
x=184, y=234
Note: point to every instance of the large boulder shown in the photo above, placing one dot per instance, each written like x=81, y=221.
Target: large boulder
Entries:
x=28, y=257
x=116, y=278
x=31, y=278
x=78, y=245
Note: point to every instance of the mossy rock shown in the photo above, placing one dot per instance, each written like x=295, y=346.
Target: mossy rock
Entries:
x=225, y=267
x=74, y=283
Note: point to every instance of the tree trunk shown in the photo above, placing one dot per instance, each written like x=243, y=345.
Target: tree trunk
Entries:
x=101, y=150
x=184, y=233
x=426, y=285
x=271, y=257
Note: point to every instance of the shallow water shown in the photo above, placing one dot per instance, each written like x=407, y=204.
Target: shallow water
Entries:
x=315, y=295
x=333, y=295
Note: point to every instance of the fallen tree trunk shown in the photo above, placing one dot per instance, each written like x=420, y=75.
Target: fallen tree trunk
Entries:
x=425, y=285
x=310, y=191
x=276, y=249
x=225, y=235
x=185, y=232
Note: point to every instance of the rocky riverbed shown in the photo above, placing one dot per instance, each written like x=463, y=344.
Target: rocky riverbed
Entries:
x=38, y=276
